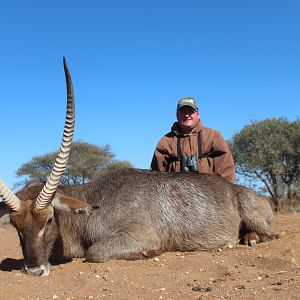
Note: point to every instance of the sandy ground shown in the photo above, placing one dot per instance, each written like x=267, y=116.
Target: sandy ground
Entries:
x=271, y=271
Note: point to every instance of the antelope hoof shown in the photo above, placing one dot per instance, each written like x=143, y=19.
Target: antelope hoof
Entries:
x=251, y=239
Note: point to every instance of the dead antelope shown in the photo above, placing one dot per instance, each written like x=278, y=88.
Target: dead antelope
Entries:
x=130, y=213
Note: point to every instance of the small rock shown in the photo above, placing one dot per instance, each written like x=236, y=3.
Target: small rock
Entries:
x=197, y=288
x=241, y=287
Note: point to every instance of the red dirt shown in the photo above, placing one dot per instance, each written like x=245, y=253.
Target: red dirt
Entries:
x=271, y=271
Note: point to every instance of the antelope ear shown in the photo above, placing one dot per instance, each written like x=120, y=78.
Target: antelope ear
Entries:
x=4, y=213
x=4, y=209
x=72, y=204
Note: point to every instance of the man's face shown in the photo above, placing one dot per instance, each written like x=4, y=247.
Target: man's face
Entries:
x=187, y=118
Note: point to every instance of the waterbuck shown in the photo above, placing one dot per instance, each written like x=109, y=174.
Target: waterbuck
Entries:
x=130, y=213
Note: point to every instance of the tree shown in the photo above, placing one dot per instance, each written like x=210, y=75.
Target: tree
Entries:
x=117, y=165
x=86, y=161
x=269, y=151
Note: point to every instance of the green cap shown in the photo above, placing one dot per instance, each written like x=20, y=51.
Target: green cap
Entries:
x=187, y=101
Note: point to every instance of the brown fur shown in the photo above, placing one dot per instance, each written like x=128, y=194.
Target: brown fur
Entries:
x=129, y=214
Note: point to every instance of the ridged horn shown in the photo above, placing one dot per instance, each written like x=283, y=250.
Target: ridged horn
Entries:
x=9, y=198
x=46, y=195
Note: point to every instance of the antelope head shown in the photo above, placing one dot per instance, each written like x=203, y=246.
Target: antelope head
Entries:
x=34, y=218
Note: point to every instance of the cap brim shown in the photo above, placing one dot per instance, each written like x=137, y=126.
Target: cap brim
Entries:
x=188, y=104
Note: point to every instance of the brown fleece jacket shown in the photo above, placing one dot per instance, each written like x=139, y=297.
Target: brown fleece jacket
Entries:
x=216, y=156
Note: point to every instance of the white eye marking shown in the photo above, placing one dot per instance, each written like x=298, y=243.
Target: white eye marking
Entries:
x=41, y=232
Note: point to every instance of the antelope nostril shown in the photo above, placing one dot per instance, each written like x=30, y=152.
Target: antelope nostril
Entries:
x=23, y=269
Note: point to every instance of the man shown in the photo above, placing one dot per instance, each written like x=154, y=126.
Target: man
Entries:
x=192, y=147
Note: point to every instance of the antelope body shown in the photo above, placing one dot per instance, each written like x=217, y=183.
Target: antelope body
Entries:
x=131, y=213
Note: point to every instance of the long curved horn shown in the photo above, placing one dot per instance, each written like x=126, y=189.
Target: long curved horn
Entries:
x=9, y=198
x=46, y=195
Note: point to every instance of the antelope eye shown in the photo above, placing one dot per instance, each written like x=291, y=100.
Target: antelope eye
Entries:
x=49, y=221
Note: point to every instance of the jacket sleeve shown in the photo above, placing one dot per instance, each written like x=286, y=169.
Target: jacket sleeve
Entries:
x=224, y=164
x=161, y=157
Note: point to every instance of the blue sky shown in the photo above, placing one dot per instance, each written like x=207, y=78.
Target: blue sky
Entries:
x=132, y=60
